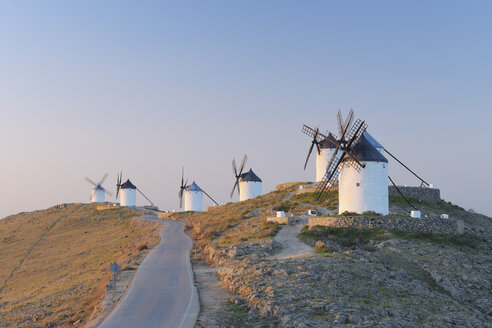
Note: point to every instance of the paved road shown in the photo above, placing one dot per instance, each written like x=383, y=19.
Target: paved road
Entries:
x=162, y=293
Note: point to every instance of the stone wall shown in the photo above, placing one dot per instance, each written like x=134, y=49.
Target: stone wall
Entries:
x=426, y=194
x=431, y=225
x=423, y=193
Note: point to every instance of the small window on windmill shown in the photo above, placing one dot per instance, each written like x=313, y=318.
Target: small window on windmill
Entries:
x=358, y=184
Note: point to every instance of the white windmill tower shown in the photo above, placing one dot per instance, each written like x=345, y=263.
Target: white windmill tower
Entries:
x=128, y=192
x=364, y=190
x=248, y=184
x=98, y=193
x=193, y=196
x=357, y=167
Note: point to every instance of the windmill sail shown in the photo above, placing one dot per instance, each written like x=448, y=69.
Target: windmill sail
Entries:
x=349, y=135
x=236, y=174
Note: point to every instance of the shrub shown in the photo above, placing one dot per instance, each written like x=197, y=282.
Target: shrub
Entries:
x=142, y=247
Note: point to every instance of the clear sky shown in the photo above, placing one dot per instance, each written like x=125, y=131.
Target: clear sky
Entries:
x=90, y=87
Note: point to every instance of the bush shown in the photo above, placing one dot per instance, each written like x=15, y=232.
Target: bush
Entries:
x=346, y=213
x=209, y=233
x=142, y=247
x=283, y=207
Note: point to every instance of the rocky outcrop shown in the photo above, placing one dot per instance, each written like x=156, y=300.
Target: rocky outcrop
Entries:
x=391, y=287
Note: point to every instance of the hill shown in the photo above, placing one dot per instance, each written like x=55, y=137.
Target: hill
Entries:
x=54, y=263
x=354, y=277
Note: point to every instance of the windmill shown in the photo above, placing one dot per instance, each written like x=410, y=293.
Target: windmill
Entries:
x=348, y=136
x=128, y=192
x=98, y=192
x=193, y=198
x=325, y=145
x=182, y=188
x=356, y=167
x=248, y=184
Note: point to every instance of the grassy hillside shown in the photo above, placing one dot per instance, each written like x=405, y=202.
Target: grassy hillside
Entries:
x=241, y=221
x=357, y=278
x=54, y=263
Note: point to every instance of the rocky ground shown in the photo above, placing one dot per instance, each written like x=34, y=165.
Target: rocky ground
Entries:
x=385, y=280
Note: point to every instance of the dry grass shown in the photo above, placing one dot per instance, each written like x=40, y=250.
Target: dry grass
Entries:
x=240, y=221
x=54, y=263
x=329, y=199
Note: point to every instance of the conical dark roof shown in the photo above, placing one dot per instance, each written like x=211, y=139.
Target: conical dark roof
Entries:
x=98, y=187
x=250, y=176
x=128, y=185
x=193, y=187
x=373, y=141
x=325, y=144
x=367, y=152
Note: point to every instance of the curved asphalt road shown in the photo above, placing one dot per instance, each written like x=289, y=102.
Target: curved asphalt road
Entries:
x=162, y=293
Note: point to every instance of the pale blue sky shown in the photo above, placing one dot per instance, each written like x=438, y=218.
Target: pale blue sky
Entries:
x=102, y=86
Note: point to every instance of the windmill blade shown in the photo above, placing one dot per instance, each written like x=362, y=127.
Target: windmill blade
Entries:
x=331, y=139
x=245, y=158
x=118, y=183
x=145, y=197
x=90, y=181
x=180, y=194
x=331, y=176
x=182, y=176
x=354, y=161
x=210, y=197
x=103, y=178
x=236, y=184
x=315, y=139
x=108, y=192
x=313, y=133
x=356, y=131
x=340, y=124
x=309, y=154
x=346, y=125
x=234, y=169
x=330, y=163
x=348, y=121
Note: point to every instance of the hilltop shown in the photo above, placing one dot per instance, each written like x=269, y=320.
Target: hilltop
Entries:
x=54, y=263
x=352, y=277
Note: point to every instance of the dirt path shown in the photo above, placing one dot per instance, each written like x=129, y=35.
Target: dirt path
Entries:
x=291, y=246
x=213, y=298
x=29, y=251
